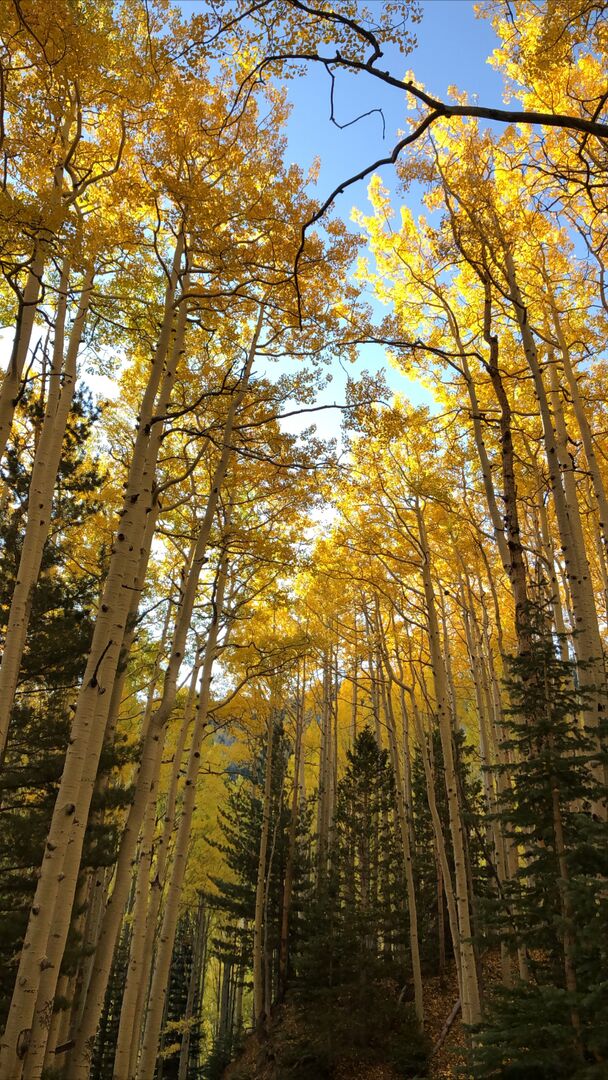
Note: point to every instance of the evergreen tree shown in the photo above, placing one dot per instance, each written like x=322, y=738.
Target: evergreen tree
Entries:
x=102, y=1065
x=556, y=1026
x=234, y=899
x=177, y=996
x=353, y=962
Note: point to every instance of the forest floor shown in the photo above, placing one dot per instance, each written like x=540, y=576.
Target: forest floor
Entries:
x=447, y=1063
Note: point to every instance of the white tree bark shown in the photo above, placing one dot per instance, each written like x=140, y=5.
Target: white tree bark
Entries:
x=40, y=498
x=470, y=996
x=403, y=814
x=136, y=980
x=101, y=968
x=56, y=888
x=260, y=1004
x=162, y=963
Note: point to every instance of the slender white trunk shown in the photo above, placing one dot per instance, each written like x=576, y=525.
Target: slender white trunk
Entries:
x=55, y=887
x=498, y=524
x=92, y=1012
x=438, y=836
x=137, y=970
x=470, y=996
x=141, y=873
x=197, y=957
x=587, y=437
x=403, y=814
x=162, y=963
x=260, y=1003
x=146, y=783
x=26, y=315
x=40, y=498
x=587, y=640
x=440, y=844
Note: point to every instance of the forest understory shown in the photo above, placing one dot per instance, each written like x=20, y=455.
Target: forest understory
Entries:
x=303, y=721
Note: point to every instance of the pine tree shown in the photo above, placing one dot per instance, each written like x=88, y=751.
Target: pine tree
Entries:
x=353, y=960
x=234, y=899
x=556, y=1025
x=102, y=1065
x=177, y=995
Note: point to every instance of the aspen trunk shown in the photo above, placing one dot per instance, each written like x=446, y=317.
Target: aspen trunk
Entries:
x=587, y=438
x=517, y=564
x=33, y=1062
x=156, y=884
x=403, y=814
x=488, y=754
x=355, y=693
x=126, y=1030
x=55, y=887
x=448, y=661
x=324, y=808
x=497, y=520
x=587, y=640
x=40, y=498
x=57, y=1025
x=197, y=956
x=146, y=781
x=99, y=883
x=291, y=853
x=438, y=836
x=138, y=970
x=554, y=591
x=259, y=998
x=26, y=315
x=470, y=996
x=162, y=963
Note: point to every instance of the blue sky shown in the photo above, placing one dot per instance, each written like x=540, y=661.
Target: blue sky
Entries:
x=452, y=50
x=453, y=47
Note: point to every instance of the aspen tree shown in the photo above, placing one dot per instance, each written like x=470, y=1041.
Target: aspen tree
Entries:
x=90, y=713
x=151, y=892
x=471, y=1002
x=99, y=883
x=40, y=497
x=488, y=754
x=587, y=640
x=134, y=980
x=26, y=316
x=438, y=835
x=324, y=804
x=404, y=815
x=587, y=436
x=300, y=693
x=200, y=934
x=162, y=960
x=260, y=1004
x=150, y=750
x=47, y=989
x=146, y=785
